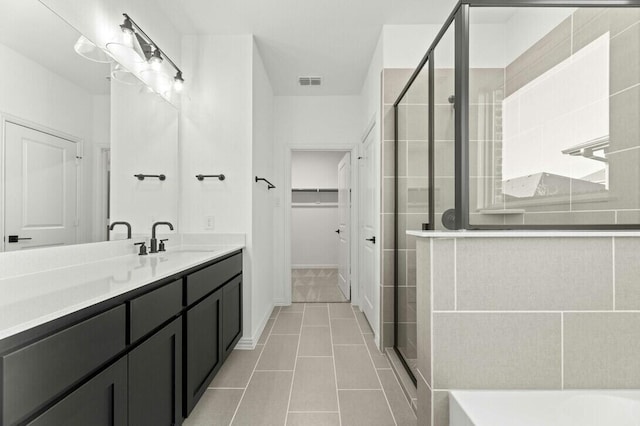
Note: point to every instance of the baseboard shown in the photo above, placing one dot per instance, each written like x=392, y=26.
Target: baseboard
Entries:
x=316, y=266
x=249, y=343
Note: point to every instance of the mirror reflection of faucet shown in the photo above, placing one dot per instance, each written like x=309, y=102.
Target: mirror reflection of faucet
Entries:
x=127, y=224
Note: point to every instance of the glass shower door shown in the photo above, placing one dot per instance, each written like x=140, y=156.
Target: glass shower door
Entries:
x=412, y=208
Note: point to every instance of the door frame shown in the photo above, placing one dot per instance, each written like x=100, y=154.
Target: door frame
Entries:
x=9, y=118
x=355, y=201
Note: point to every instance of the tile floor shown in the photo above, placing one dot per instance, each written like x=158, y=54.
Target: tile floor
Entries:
x=315, y=364
x=316, y=285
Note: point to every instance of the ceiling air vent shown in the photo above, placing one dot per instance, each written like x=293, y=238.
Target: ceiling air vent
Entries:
x=309, y=81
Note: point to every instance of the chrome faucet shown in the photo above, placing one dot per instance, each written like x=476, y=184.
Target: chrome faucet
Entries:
x=127, y=224
x=153, y=246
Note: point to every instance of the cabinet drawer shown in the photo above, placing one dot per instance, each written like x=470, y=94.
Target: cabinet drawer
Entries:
x=37, y=373
x=152, y=309
x=203, y=282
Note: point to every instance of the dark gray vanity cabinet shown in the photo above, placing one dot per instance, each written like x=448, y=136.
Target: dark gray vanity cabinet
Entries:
x=213, y=323
x=155, y=364
x=203, y=323
x=231, y=315
x=102, y=401
x=46, y=369
x=155, y=378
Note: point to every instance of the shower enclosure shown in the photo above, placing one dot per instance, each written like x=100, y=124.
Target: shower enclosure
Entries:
x=523, y=114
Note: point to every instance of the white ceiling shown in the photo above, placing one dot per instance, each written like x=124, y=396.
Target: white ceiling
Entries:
x=334, y=39
x=29, y=28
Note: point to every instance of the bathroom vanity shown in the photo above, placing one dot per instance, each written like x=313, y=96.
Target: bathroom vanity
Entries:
x=127, y=340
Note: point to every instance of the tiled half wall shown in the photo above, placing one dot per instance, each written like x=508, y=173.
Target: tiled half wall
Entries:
x=525, y=313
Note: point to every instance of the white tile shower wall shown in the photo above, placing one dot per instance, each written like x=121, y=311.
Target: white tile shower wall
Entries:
x=526, y=313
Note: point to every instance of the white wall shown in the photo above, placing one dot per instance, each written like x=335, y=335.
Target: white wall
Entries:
x=144, y=139
x=314, y=243
x=31, y=92
x=227, y=127
x=101, y=140
x=371, y=101
x=262, y=235
x=216, y=134
x=315, y=169
x=405, y=45
x=216, y=137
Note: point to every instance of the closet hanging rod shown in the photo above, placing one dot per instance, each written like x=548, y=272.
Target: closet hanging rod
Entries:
x=314, y=189
x=201, y=177
x=269, y=184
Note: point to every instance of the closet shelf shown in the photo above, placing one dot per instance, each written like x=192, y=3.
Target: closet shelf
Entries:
x=314, y=189
x=314, y=204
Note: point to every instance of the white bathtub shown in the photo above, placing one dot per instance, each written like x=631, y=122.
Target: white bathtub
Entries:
x=545, y=408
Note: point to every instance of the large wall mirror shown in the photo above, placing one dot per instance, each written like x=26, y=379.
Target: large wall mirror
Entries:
x=73, y=137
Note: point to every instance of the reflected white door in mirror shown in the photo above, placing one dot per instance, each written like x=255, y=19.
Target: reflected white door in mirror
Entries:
x=40, y=189
x=55, y=106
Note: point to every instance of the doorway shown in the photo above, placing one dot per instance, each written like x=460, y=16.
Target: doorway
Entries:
x=320, y=226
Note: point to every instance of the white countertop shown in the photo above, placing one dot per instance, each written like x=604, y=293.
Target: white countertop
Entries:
x=30, y=300
x=523, y=234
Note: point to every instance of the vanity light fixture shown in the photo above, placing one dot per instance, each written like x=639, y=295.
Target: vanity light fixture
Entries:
x=142, y=46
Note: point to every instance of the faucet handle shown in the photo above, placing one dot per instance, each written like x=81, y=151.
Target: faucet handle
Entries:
x=162, y=248
x=143, y=248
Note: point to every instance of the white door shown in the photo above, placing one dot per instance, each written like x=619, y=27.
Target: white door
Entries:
x=344, y=226
x=40, y=189
x=368, y=285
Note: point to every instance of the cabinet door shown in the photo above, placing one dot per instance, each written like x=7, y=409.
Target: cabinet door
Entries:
x=155, y=378
x=204, y=346
x=102, y=401
x=231, y=315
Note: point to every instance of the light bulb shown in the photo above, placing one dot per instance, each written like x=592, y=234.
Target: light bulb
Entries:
x=156, y=60
x=178, y=82
x=127, y=32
